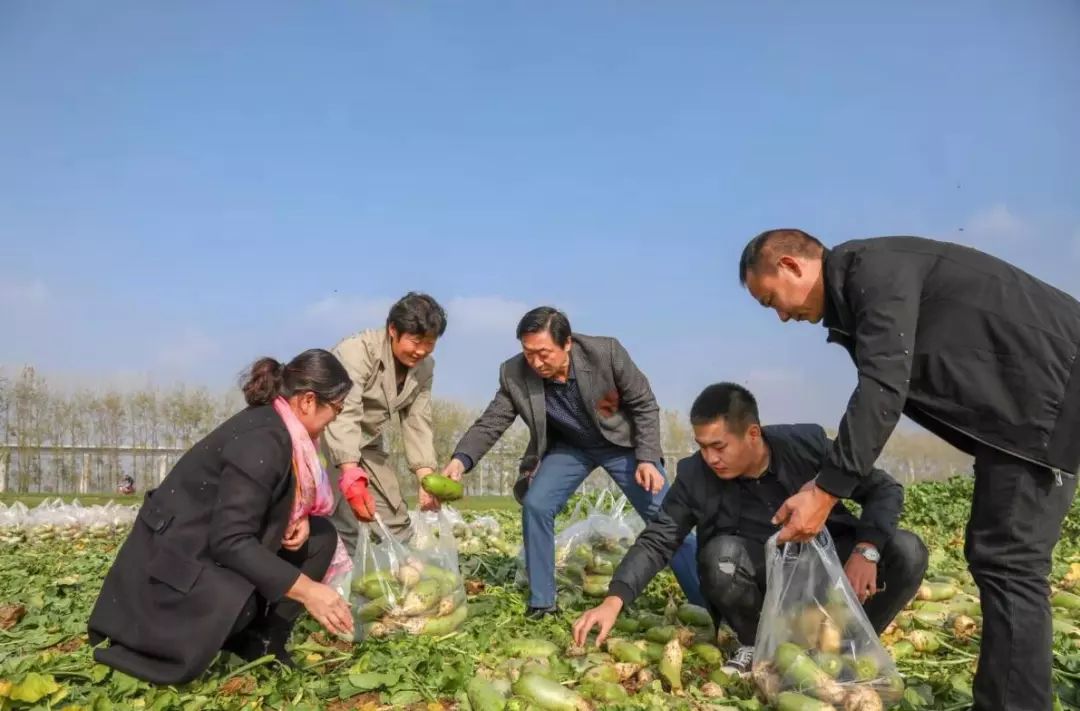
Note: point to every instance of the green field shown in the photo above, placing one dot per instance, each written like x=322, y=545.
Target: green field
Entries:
x=475, y=503
x=46, y=591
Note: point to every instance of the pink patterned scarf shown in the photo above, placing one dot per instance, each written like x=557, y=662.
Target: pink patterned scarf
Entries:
x=314, y=497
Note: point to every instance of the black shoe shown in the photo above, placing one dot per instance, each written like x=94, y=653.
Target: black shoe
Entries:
x=539, y=613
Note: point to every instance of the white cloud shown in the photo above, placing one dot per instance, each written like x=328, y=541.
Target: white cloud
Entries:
x=345, y=314
x=997, y=224
x=190, y=349
x=492, y=315
x=16, y=293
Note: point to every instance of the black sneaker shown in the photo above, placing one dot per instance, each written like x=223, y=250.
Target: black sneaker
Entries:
x=740, y=662
x=539, y=613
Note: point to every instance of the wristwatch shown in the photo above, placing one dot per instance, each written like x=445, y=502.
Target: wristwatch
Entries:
x=871, y=553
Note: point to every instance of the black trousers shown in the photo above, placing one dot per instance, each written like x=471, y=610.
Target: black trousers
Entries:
x=313, y=560
x=1016, y=517
x=732, y=572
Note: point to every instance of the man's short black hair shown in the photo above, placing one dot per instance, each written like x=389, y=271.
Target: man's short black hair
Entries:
x=417, y=314
x=549, y=319
x=788, y=241
x=732, y=402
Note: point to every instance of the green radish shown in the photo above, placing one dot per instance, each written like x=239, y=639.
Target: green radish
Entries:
x=373, y=609
x=694, y=616
x=930, y=620
x=422, y=598
x=863, y=667
x=625, y=651
x=581, y=555
x=1065, y=599
x=661, y=635
x=799, y=669
x=671, y=665
x=596, y=585
x=936, y=591
x=830, y=663
x=944, y=579
x=649, y=620
x=602, y=674
x=575, y=571
x=448, y=579
x=791, y=701
x=600, y=566
x=931, y=606
x=375, y=585
x=1065, y=627
x=549, y=695
x=539, y=666
x=605, y=691
x=722, y=678
x=483, y=696
x=653, y=651
x=438, y=626
x=535, y=648
x=627, y=624
x=902, y=650
x=971, y=608
x=708, y=653
x=442, y=488
x=924, y=641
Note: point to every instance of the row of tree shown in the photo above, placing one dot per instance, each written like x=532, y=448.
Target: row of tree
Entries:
x=60, y=440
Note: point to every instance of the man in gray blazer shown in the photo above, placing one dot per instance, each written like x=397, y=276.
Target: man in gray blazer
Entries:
x=586, y=405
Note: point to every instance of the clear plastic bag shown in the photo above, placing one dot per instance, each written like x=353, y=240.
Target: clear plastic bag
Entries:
x=814, y=638
x=591, y=546
x=12, y=522
x=396, y=587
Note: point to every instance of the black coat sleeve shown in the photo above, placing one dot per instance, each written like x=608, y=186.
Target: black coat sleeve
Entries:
x=656, y=545
x=882, y=499
x=884, y=294
x=254, y=465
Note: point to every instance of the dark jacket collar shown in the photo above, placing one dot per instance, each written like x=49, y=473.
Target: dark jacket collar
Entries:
x=837, y=311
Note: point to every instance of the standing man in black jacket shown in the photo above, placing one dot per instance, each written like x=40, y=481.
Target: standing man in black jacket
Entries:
x=985, y=356
x=730, y=490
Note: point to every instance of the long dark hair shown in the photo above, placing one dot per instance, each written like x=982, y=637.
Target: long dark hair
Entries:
x=314, y=370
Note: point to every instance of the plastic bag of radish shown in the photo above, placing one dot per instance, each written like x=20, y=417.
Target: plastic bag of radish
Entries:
x=814, y=641
x=402, y=588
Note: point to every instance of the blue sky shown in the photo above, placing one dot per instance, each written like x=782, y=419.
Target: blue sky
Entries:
x=186, y=186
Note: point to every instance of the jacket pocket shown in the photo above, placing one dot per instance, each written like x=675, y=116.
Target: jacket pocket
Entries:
x=176, y=571
x=155, y=517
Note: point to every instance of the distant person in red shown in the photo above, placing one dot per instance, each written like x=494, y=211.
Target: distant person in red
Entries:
x=127, y=485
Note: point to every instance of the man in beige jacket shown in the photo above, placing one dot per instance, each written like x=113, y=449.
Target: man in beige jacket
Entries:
x=392, y=372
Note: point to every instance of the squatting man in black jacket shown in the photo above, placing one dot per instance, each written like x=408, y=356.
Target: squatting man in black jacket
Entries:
x=981, y=354
x=731, y=490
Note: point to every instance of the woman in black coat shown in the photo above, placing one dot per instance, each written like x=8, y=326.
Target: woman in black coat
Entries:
x=223, y=553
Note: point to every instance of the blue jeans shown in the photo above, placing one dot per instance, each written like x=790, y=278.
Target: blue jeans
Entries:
x=560, y=473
